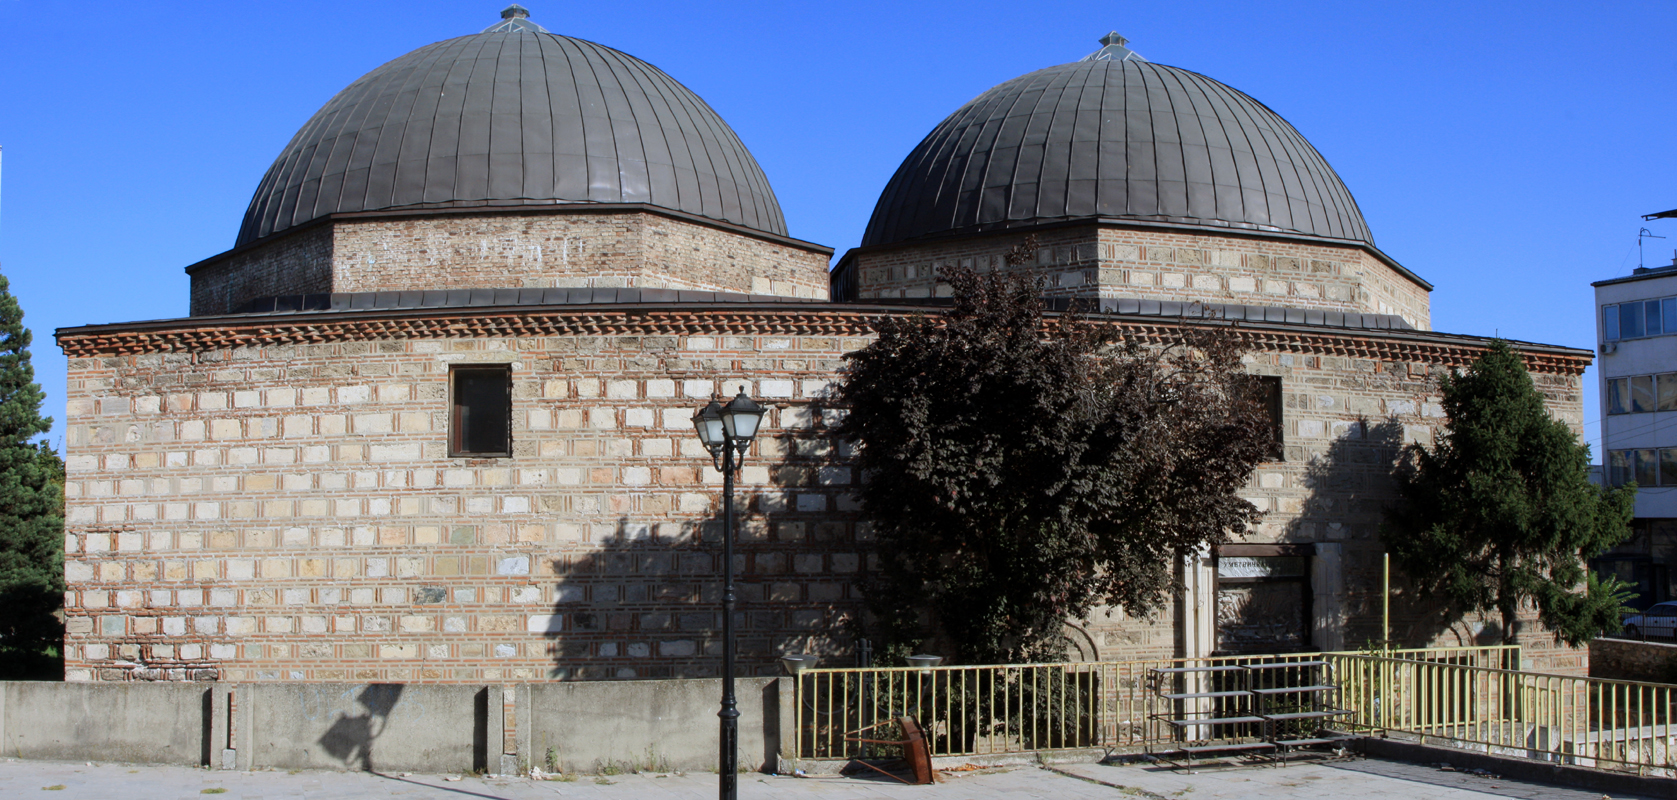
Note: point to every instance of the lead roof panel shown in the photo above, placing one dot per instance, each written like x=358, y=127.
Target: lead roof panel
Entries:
x=513, y=115
x=1118, y=139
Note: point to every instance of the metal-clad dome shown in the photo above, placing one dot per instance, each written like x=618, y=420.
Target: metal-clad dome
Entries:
x=1115, y=137
x=513, y=116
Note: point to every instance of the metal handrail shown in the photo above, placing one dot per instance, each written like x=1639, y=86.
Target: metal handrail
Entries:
x=992, y=709
x=1590, y=722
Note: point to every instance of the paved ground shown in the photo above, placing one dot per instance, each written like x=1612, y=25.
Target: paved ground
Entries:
x=1363, y=780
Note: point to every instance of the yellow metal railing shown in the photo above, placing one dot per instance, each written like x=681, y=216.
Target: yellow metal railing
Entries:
x=1588, y=722
x=983, y=710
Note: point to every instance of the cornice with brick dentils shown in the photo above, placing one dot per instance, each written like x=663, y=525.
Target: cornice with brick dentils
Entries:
x=200, y=334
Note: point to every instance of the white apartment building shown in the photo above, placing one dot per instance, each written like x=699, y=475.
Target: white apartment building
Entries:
x=1636, y=329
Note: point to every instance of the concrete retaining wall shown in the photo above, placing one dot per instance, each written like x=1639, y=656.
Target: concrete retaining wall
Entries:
x=667, y=724
x=1622, y=659
x=158, y=724
x=656, y=724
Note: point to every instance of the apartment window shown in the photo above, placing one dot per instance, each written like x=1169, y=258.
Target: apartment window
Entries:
x=1667, y=392
x=1630, y=320
x=1647, y=466
x=1641, y=394
x=1638, y=319
x=480, y=417
x=1618, y=467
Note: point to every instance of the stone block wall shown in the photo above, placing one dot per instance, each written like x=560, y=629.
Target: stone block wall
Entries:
x=1110, y=261
x=575, y=248
x=289, y=512
x=1345, y=423
x=272, y=509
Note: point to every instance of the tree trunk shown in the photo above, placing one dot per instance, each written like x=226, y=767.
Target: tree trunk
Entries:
x=1507, y=600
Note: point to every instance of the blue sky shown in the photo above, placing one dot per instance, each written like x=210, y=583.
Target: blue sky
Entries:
x=1505, y=152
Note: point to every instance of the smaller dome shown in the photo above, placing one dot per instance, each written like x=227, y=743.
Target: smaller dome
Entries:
x=1117, y=137
x=513, y=116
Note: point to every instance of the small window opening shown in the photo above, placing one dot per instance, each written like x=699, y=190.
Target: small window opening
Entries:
x=1269, y=397
x=480, y=421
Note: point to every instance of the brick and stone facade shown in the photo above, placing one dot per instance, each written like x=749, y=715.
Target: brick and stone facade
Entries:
x=554, y=246
x=271, y=498
x=1112, y=261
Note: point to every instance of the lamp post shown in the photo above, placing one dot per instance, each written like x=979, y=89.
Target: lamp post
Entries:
x=727, y=431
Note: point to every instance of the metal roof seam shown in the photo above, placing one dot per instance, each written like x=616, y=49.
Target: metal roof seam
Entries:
x=460, y=123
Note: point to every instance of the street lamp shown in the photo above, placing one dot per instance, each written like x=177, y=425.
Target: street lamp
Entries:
x=727, y=431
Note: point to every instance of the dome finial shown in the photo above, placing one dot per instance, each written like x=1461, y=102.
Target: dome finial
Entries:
x=1113, y=49
x=515, y=19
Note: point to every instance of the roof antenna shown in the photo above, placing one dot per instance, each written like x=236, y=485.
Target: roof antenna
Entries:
x=1643, y=234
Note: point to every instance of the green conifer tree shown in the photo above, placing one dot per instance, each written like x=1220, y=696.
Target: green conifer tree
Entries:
x=31, y=513
x=1501, y=512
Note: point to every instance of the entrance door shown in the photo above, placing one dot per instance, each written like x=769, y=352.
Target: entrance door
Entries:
x=1263, y=604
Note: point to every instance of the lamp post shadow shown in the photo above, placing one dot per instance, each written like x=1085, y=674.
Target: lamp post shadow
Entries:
x=350, y=739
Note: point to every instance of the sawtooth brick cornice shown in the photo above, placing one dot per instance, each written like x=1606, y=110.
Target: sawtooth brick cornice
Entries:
x=201, y=334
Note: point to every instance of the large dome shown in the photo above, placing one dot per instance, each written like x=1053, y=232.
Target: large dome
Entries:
x=513, y=116
x=1120, y=139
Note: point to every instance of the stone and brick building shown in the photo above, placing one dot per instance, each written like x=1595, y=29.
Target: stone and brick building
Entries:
x=429, y=419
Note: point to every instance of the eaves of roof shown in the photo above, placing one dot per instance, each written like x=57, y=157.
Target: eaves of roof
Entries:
x=748, y=315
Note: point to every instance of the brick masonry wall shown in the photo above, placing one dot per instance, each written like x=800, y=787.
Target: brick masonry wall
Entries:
x=300, y=263
x=631, y=249
x=1106, y=261
x=1621, y=659
x=288, y=512
x=504, y=251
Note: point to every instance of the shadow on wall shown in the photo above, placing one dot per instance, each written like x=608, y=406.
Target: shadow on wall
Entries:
x=350, y=739
x=645, y=601
x=636, y=606
x=1349, y=489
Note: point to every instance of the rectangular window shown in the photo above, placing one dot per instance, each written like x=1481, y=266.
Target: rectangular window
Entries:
x=1610, y=322
x=480, y=420
x=1668, y=312
x=1630, y=320
x=1618, y=396
x=1647, y=468
x=1269, y=394
x=1618, y=467
x=1668, y=391
x=1642, y=394
x=1668, y=466
x=1652, y=308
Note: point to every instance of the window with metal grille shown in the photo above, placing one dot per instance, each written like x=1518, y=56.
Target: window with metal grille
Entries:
x=480, y=414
